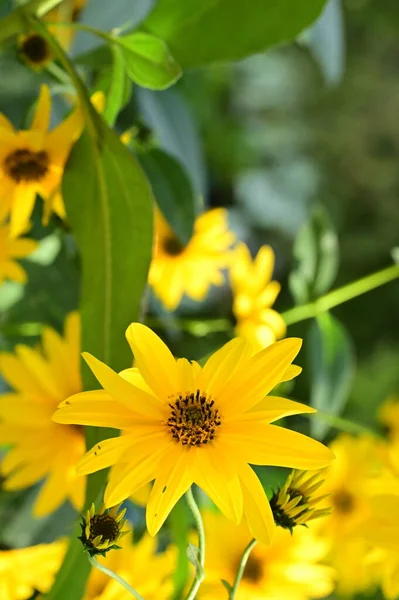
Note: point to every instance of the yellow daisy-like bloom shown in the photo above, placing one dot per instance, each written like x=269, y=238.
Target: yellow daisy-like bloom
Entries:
x=149, y=572
x=183, y=423
x=10, y=249
x=40, y=447
x=295, y=502
x=102, y=530
x=32, y=162
x=254, y=293
x=27, y=570
x=67, y=11
x=288, y=570
x=177, y=270
x=348, y=480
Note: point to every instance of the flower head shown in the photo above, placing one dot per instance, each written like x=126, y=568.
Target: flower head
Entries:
x=183, y=424
x=10, y=249
x=102, y=530
x=34, y=50
x=32, y=162
x=148, y=571
x=177, y=270
x=290, y=568
x=295, y=504
x=41, y=448
x=25, y=571
x=254, y=294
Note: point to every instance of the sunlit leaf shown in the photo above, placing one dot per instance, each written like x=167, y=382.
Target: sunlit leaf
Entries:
x=332, y=368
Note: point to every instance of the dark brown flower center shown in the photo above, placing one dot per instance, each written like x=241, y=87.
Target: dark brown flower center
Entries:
x=193, y=419
x=35, y=49
x=343, y=502
x=26, y=165
x=105, y=526
x=172, y=246
x=253, y=571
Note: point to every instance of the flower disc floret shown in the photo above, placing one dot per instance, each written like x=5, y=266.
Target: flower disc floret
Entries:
x=193, y=419
x=101, y=531
x=25, y=165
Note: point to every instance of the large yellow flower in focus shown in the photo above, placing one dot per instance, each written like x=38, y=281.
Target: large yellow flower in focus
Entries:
x=32, y=162
x=288, y=570
x=183, y=423
x=27, y=570
x=40, y=447
x=177, y=270
x=10, y=249
x=253, y=296
x=148, y=572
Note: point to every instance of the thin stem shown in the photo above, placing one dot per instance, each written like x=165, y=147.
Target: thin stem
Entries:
x=241, y=568
x=341, y=295
x=343, y=424
x=199, y=573
x=113, y=575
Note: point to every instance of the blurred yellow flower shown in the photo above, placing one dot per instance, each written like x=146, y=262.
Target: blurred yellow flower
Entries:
x=388, y=415
x=253, y=295
x=34, y=50
x=177, y=270
x=40, y=447
x=28, y=570
x=67, y=11
x=183, y=423
x=290, y=569
x=10, y=249
x=32, y=162
x=149, y=572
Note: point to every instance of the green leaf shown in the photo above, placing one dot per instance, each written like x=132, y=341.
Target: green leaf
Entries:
x=109, y=207
x=199, y=32
x=172, y=190
x=332, y=369
x=148, y=61
x=119, y=90
x=317, y=256
x=227, y=585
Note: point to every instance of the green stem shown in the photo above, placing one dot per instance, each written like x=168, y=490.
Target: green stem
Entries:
x=199, y=572
x=113, y=575
x=12, y=24
x=341, y=295
x=241, y=568
x=344, y=424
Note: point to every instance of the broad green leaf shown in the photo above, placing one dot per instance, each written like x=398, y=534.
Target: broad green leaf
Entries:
x=119, y=90
x=109, y=207
x=148, y=61
x=172, y=190
x=199, y=32
x=332, y=369
x=317, y=258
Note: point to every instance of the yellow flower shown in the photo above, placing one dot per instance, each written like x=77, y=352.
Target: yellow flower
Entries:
x=177, y=270
x=356, y=466
x=289, y=569
x=40, y=447
x=389, y=417
x=67, y=11
x=34, y=50
x=295, y=504
x=102, y=530
x=32, y=162
x=26, y=570
x=254, y=293
x=183, y=423
x=140, y=565
x=11, y=248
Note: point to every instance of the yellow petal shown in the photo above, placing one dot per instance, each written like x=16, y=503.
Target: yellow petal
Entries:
x=41, y=120
x=5, y=123
x=26, y=475
x=38, y=366
x=24, y=201
x=17, y=410
x=291, y=372
x=221, y=366
x=257, y=509
x=273, y=408
x=153, y=359
x=14, y=272
x=132, y=397
x=104, y=454
x=258, y=375
x=77, y=493
x=263, y=444
x=173, y=480
x=54, y=491
x=96, y=408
